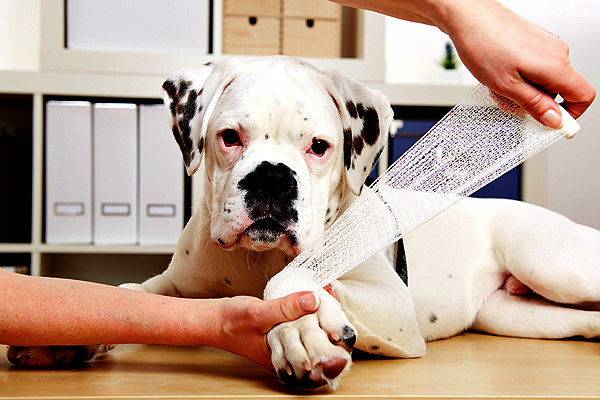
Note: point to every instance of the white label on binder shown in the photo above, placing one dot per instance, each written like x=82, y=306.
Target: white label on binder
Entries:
x=116, y=209
x=161, y=210
x=69, y=209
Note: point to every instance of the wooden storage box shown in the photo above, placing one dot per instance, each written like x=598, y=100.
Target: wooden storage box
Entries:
x=251, y=27
x=302, y=28
x=250, y=35
x=307, y=37
x=252, y=7
x=314, y=9
x=312, y=28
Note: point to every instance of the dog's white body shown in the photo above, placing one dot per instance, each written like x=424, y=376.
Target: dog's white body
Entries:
x=458, y=263
x=275, y=187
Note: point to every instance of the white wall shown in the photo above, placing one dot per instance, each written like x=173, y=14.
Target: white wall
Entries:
x=19, y=34
x=573, y=167
x=413, y=53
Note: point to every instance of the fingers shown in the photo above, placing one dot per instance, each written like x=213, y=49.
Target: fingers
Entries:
x=578, y=96
x=576, y=92
x=288, y=308
x=519, y=60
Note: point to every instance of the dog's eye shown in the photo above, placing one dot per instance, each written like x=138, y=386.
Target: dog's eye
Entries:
x=231, y=138
x=319, y=147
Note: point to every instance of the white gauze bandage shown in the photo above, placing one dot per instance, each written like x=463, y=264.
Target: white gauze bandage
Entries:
x=477, y=141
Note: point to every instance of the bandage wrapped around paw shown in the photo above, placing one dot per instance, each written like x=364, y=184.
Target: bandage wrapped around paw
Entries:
x=480, y=139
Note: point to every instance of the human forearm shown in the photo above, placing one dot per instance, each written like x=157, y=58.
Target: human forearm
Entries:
x=45, y=311
x=430, y=12
x=505, y=52
x=37, y=311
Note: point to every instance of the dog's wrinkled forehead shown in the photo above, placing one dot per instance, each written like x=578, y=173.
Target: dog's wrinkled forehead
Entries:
x=289, y=103
x=192, y=96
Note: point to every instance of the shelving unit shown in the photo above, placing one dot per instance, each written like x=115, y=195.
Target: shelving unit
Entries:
x=128, y=75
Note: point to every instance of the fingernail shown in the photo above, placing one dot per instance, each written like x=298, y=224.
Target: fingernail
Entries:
x=552, y=119
x=309, y=302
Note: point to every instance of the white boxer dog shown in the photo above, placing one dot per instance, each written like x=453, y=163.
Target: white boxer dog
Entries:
x=286, y=149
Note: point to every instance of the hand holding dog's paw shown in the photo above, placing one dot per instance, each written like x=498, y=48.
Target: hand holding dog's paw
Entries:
x=313, y=351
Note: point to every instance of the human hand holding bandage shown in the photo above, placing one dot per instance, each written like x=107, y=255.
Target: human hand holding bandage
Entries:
x=475, y=143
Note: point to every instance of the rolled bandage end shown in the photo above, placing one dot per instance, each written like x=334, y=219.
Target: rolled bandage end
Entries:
x=570, y=126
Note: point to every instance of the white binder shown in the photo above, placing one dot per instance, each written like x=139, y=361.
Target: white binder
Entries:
x=115, y=174
x=161, y=179
x=68, y=172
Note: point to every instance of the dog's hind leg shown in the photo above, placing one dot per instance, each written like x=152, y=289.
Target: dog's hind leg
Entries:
x=555, y=257
x=534, y=317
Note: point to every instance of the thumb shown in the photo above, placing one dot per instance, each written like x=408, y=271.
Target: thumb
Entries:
x=290, y=308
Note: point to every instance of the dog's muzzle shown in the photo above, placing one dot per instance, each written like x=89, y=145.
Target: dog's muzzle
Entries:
x=270, y=192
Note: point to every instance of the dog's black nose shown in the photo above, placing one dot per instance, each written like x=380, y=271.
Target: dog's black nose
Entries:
x=270, y=191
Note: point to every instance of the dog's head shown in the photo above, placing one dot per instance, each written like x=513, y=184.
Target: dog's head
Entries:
x=283, y=143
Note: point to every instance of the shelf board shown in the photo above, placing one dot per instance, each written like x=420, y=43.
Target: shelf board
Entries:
x=142, y=86
x=16, y=248
x=96, y=249
x=83, y=249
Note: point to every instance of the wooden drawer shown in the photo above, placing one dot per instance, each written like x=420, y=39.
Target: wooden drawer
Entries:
x=307, y=37
x=313, y=9
x=252, y=7
x=250, y=35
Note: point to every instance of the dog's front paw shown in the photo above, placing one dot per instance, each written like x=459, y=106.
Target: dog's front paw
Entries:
x=53, y=356
x=314, y=350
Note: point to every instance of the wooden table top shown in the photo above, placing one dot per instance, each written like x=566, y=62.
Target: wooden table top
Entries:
x=470, y=365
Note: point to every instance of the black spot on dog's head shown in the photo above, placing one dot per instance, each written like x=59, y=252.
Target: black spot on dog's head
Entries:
x=348, y=148
x=354, y=144
x=351, y=107
x=370, y=131
x=183, y=111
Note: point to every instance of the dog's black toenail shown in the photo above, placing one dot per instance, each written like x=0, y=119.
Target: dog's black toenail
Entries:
x=349, y=336
x=286, y=379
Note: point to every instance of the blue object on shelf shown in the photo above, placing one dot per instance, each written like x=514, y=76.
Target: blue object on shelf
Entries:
x=508, y=186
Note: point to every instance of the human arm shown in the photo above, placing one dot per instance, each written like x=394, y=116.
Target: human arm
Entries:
x=39, y=311
x=508, y=54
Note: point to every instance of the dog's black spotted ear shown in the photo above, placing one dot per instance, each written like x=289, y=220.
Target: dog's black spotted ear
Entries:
x=366, y=117
x=190, y=95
